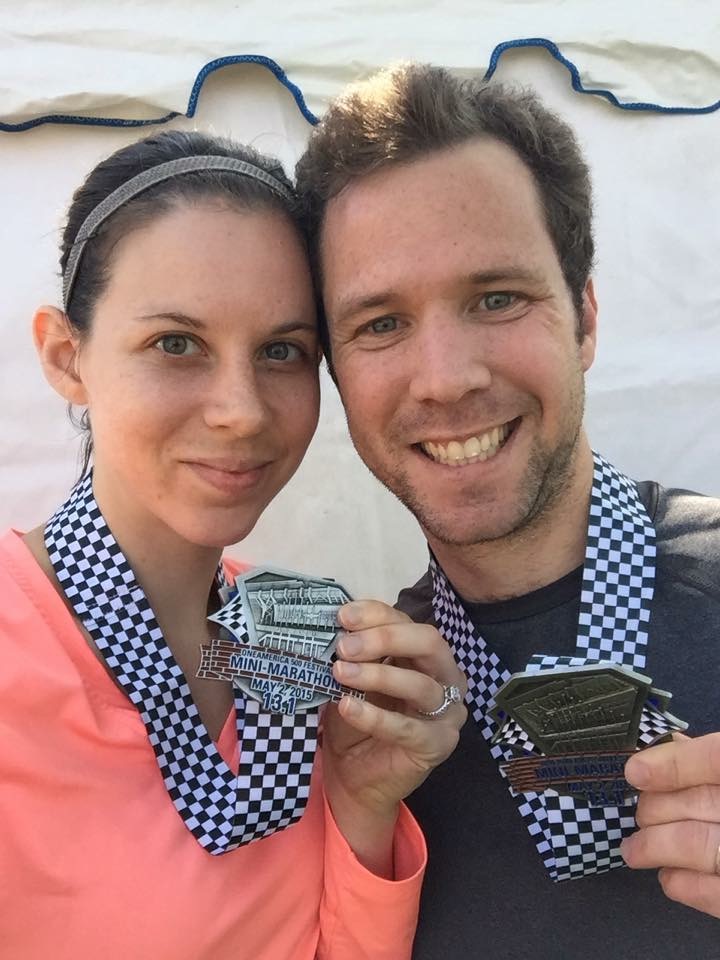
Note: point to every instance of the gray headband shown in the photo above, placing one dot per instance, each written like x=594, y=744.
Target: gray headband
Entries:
x=148, y=178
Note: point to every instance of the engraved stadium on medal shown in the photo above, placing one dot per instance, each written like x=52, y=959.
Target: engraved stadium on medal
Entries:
x=278, y=632
x=573, y=729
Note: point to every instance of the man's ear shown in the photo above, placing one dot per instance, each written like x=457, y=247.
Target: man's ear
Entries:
x=588, y=331
x=57, y=348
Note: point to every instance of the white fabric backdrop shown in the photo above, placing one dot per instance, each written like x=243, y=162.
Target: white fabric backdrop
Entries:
x=653, y=394
x=139, y=59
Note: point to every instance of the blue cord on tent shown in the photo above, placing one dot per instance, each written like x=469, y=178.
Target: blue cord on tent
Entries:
x=202, y=76
x=577, y=85
x=302, y=106
x=271, y=65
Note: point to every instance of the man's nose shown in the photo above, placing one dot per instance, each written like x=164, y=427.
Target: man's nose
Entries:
x=450, y=360
x=235, y=400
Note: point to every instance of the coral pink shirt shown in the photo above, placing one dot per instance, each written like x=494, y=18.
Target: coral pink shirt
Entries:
x=96, y=864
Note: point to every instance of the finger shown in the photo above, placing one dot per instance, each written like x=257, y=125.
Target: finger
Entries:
x=336, y=732
x=673, y=766
x=694, y=803
x=362, y=614
x=689, y=844
x=416, y=642
x=417, y=690
x=401, y=640
x=698, y=890
x=428, y=743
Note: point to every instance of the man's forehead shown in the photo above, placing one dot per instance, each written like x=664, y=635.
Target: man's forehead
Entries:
x=443, y=217
x=449, y=169
x=479, y=185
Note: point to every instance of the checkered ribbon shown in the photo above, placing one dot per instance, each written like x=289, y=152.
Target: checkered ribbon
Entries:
x=573, y=838
x=221, y=809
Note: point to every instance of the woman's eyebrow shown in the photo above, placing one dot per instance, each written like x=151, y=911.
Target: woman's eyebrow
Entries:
x=292, y=325
x=174, y=317
x=186, y=320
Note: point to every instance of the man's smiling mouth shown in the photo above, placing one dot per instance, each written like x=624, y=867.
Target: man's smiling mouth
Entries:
x=474, y=449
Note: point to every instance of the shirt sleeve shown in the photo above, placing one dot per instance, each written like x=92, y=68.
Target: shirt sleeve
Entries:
x=363, y=916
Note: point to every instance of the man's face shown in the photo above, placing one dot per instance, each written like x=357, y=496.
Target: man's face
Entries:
x=454, y=340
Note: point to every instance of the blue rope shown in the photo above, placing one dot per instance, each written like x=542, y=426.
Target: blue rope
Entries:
x=202, y=76
x=577, y=85
x=274, y=68
x=302, y=106
x=84, y=121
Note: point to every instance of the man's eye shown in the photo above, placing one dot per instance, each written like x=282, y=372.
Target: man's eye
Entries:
x=282, y=351
x=177, y=345
x=497, y=301
x=383, y=325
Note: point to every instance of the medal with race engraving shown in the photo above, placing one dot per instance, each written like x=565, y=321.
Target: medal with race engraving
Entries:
x=574, y=837
x=278, y=632
x=572, y=729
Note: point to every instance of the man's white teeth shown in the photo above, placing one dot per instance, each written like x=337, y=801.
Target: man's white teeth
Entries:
x=457, y=453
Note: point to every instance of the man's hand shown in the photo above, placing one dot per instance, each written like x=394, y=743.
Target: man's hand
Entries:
x=679, y=818
x=377, y=751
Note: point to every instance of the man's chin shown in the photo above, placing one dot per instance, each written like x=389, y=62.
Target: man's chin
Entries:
x=463, y=535
x=467, y=527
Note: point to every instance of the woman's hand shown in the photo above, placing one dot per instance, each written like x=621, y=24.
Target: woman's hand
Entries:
x=377, y=751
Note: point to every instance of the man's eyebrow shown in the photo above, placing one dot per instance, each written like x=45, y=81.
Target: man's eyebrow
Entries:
x=502, y=275
x=351, y=305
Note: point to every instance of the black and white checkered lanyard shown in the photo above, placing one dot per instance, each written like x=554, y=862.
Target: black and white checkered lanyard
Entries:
x=221, y=809
x=573, y=838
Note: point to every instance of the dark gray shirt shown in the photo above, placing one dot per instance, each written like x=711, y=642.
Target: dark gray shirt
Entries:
x=487, y=894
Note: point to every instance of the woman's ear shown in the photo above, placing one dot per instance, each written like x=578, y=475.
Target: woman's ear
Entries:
x=57, y=348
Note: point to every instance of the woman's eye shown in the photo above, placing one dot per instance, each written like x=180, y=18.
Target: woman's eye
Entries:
x=497, y=301
x=282, y=351
x=177, y=345
x=383, y=325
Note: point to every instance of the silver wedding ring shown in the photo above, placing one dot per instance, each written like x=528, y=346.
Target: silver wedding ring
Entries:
x=451, y=695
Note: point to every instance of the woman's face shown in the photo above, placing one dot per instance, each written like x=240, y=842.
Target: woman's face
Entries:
x=200, y=372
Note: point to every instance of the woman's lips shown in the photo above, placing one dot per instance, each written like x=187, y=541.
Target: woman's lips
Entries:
x=229, y=480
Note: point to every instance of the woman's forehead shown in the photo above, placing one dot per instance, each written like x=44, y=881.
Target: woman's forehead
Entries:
x=205, y=259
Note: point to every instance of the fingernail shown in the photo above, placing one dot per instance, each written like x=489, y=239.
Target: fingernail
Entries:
x=349, y=615
x=637, y=772
x=349, y=646
x=626, y=848
x=346, y=669
x=350, y=707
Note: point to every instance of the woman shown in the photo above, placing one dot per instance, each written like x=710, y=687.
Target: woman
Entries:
x=188, y=336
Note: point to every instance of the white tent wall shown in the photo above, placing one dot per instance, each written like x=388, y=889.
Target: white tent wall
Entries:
x=653, y=398
x=137, y=59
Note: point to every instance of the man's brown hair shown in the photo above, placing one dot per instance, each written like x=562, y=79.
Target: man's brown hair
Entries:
x=409, y=111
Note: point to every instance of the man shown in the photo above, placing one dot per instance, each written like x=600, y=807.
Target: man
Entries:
x=450, y=223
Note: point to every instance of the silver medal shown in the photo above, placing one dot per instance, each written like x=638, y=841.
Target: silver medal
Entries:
x=277, y=640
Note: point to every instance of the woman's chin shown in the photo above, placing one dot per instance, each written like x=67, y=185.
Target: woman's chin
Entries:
x=216, y=533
